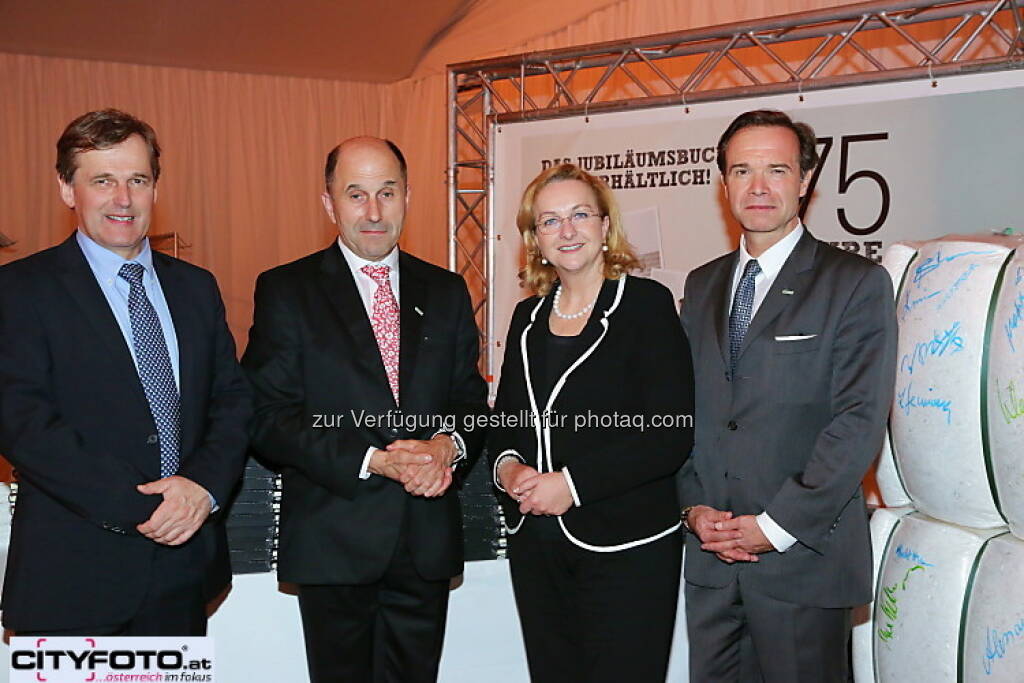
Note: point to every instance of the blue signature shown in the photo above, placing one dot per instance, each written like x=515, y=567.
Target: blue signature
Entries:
x=911, y=304
x=940, y=343
x=996, y=643
x=956, y=285
x=1020, y=275
x=1011, y=325
x=911, y=554
x=908, y=400
x=933, y=263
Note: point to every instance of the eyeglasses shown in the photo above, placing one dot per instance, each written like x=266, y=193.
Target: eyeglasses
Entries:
x=553, y=224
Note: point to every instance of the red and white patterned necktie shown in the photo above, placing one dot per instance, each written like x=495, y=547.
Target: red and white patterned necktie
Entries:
x=385, y=322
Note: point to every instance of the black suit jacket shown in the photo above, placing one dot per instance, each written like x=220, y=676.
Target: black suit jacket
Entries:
x=323, y=398
x=75, y=424
x=795, y=430
x=631, y=370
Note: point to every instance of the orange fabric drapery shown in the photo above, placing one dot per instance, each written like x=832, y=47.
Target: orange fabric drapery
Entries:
x=243, y=154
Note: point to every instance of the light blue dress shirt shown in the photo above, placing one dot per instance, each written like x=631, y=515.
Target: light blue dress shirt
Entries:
x=105, y=266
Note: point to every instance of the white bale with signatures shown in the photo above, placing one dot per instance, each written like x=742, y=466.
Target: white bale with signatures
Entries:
x=936, y=424
x=993, y=631
x=1005, y=395
x=924, y=580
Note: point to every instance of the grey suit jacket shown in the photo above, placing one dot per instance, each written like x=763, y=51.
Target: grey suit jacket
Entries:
x=796, y=428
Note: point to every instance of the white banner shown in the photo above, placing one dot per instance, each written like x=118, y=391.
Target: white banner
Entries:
x=899, y=161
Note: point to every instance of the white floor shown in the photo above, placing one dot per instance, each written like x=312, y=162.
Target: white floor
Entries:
x=258, y=636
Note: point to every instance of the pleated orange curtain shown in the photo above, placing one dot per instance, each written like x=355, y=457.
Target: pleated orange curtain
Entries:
x=243, y=154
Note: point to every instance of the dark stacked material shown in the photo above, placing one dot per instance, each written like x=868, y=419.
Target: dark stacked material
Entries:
x=481, y=517
x=253, y=521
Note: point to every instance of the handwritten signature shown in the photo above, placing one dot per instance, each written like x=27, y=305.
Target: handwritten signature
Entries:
x=890, y=604
x=956, y=284
x=933, y=263
x=908, y=401
x=1011, y=325
x=1010, y=404
x=911, y=554
x=938, y=345
x=997, y=642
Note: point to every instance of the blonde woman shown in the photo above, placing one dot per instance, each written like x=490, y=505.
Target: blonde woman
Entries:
x=598, y=361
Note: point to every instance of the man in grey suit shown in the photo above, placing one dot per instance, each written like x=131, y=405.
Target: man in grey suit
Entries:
x=794, y=347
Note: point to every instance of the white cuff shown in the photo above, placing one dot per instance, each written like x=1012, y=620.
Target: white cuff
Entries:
x=364, y=471
x=505, y=455
x=572, y=486
x=460, y=445
x=776, y=535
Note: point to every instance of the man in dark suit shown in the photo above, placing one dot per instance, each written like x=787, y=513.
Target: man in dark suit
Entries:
x=794, y=350
x=364, y=359
x=122, y=409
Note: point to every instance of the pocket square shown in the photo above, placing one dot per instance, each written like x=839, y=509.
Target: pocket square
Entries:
x=795, y=337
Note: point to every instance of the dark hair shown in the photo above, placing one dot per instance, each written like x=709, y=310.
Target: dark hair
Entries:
x=103, y=129
x=768, y=117
x=332, y=163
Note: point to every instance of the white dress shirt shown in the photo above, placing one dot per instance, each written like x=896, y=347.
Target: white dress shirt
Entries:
x=367, y=287
x=771, y=262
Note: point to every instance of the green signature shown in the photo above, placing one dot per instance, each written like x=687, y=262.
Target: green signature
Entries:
x=890, y=604
x=1010, y=405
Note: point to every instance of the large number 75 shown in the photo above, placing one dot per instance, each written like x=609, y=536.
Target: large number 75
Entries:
x=846, y=180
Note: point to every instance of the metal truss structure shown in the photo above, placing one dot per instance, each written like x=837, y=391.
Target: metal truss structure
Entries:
x=868, y=42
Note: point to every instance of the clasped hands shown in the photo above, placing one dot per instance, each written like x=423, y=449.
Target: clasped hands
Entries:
x=423, y=467
x=536, y=493
x=731, y=539
x=184, y=508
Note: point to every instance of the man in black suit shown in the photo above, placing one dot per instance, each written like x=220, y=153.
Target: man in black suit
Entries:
x=122, y=409
x=794, y=349
x=364, y=360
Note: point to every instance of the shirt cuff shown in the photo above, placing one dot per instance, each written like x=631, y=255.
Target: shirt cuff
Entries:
x=776, y=535
x=213, y=503
x=505, y=455
x=364, y=471
x=460, y=445
x=572, y=486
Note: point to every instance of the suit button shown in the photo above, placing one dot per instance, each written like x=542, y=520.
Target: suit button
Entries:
x=732, y=426
x=393, y=431
x=152, y=439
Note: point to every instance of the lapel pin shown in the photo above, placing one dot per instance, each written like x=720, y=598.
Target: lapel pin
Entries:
x=417, y=309
x=788, y=292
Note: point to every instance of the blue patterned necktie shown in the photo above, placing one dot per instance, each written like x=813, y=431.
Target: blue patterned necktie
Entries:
x=155, y=371
x=739, y=316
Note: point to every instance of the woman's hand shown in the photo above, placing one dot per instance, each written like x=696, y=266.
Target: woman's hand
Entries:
x=512, y=474
x=544, y=494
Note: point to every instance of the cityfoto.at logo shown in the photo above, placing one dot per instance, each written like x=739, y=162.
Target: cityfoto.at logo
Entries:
x=99, y=660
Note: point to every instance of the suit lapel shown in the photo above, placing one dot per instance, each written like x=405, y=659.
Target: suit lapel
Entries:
x=77, y=277
x=413, y=307
x=789, y=280
x=721, y=284
x=340, y=289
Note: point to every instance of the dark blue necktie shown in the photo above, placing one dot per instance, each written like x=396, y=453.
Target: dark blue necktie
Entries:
x=742, y=305
x=155, y=371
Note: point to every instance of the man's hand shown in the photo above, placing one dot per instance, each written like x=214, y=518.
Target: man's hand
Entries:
x=706, y=522
x=185, y=507
x=417, y=472
x=429, y=479
x=748, y=540
x=544, y=494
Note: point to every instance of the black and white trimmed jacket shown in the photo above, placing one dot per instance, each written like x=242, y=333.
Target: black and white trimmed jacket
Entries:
x=620, y=418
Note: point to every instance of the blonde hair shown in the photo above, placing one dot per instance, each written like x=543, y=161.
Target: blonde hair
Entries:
x=618, y=260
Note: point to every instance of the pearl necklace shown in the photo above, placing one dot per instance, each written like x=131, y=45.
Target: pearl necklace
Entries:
x=572, y=316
